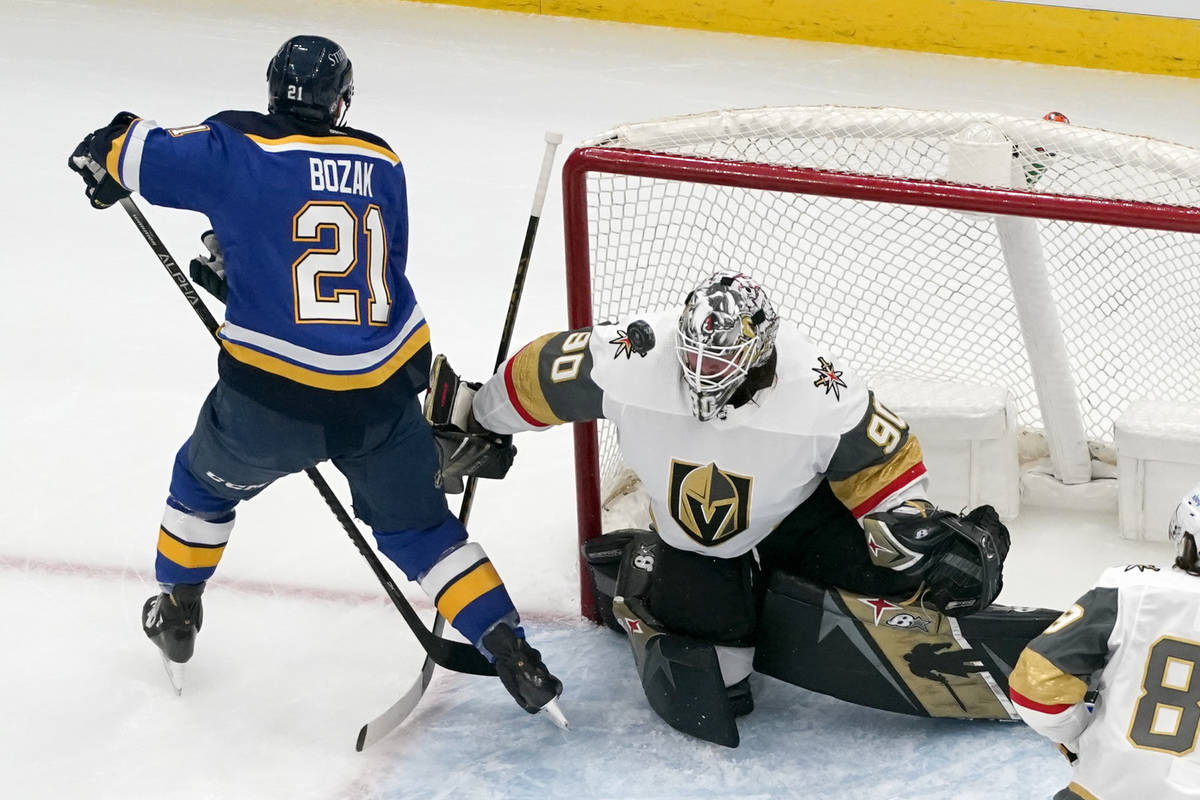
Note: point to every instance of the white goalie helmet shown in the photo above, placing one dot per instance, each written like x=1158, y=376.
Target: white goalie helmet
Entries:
x=1184, y=531
x=727, y=328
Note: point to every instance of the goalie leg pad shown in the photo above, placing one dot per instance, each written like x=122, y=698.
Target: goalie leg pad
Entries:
x=602, y=556
x=681, y=678
x=711, y=599
x=684, y=672
x=892, y=654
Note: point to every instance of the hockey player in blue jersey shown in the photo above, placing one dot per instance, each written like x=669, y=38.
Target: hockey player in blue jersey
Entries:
x=323, y=351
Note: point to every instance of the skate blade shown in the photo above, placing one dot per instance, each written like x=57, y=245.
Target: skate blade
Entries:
x=556, y=715
x=175, y=672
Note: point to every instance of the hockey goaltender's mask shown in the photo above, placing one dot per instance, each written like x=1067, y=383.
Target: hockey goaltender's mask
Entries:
x=727, y=328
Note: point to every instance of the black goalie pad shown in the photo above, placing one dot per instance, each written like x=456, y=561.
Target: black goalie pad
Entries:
x=891, y=654
x=710, y=599
x=602, y=556
x=681, y=678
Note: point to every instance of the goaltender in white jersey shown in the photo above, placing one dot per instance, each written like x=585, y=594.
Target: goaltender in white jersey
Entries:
x=1135, y=640
x=762, y=457
x=719, y=486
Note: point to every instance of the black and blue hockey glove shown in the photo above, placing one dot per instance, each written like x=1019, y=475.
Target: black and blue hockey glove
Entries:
x=88, y=160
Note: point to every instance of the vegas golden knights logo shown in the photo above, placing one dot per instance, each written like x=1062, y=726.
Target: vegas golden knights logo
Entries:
x=710, y=504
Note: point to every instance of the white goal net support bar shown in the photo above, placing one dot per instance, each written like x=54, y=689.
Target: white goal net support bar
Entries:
x=1059, y=262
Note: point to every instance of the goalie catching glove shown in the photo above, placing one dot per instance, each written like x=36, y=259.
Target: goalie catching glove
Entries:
x=465, y=448
x=959, y=559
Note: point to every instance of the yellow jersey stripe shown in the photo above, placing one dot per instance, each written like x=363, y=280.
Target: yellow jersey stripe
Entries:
x=467, y=589
x=112, y=162
x=872, y=481
x=524, y=383
x=186, y=555
x=327, y=380
x=318, y=141
x=1082, y=792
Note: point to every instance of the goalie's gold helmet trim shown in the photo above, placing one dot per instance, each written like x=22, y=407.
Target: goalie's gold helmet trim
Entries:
x=727, y=328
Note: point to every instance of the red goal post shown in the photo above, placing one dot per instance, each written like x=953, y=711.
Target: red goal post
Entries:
x=930, y=245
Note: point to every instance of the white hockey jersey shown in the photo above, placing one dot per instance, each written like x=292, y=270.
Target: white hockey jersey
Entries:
x=1134, y=638
x=716, y=487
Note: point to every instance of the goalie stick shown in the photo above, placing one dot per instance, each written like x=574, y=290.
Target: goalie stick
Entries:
x=390, y=719
x=457, y=656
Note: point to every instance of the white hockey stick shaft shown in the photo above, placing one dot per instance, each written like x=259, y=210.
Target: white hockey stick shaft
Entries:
x=389, y=720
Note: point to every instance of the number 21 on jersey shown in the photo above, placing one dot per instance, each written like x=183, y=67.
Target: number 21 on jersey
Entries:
x=338, y=260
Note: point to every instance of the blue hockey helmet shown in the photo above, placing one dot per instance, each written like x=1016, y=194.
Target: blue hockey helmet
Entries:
x=310, y=78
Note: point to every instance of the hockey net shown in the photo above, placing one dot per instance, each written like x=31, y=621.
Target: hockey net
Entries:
x=1058, y=261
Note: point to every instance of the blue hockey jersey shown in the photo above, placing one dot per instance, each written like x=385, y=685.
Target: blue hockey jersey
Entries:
x=320, y=318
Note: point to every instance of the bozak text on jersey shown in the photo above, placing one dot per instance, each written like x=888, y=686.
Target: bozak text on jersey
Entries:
x=340, y=175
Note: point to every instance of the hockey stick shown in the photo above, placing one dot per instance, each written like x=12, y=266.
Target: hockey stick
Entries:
x=389, y=720
x=457, y=656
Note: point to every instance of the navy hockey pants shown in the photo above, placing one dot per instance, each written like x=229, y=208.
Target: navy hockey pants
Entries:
x=239, y=447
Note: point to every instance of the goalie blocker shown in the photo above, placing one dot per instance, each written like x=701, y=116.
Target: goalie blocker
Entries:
x=465, y=448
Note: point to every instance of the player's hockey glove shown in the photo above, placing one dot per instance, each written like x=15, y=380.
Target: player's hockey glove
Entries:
x=209, y=272
x=87, y=159
x=465, y=448
x=521, y=669
x=959, y=559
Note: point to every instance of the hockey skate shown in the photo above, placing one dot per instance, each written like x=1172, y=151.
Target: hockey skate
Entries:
x=741, y=697
x=522, y=672
x=172, y=620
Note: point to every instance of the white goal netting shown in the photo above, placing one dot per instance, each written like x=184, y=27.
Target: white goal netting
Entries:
x=919, y=292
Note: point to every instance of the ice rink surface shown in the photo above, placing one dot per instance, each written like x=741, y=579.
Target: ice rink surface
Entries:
x=106, y=368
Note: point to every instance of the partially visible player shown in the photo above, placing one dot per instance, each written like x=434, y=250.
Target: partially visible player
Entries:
x=759, y=452
x=1134, y=639
x=323, y=351
x=1035, y=163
